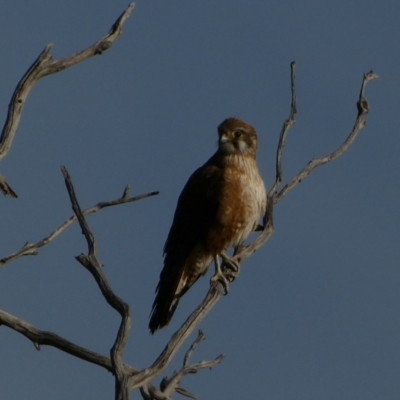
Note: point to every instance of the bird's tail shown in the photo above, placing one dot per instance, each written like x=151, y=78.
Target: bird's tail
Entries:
x=169, y=290
x=164, y=307
x=174, y=283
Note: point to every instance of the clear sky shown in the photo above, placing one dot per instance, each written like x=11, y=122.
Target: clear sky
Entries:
x=315, y=313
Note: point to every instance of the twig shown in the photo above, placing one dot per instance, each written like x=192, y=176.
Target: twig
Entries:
x=174, y=384
x=31, y=249
x=91, y=263
x=169, y=386
x=363, y=109
x=200, y=337
x=6, y=189
x=46, y=65
x=285, y=129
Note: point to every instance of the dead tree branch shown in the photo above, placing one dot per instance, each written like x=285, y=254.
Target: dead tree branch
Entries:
x=32, y=249
x=363, y=109
x=5, y=188
x=45, y=65
x=91, y=263
x=42, y=338
x=173, y=384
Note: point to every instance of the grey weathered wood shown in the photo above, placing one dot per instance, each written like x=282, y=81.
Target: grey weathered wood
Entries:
x=45, y=65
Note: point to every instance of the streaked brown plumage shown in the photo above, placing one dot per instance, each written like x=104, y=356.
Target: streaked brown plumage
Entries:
x=219, y=207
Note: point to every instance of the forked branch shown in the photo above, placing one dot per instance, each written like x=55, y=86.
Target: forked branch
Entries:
x=32, y=248
x=46, y=65
x=91, y=263
x=362, y=110
x=173, y=384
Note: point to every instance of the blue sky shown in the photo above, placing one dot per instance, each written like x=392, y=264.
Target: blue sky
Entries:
x=314, y=314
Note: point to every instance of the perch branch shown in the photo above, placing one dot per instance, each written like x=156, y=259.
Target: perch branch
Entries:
x=91, y=263
x=46, y=65
x=31, y=249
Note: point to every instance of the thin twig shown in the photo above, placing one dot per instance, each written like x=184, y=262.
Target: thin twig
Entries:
x=285, y=129
x=32, y=249
x=5, y=188
x=363, y=108
x=46, y=65
x=200, y=338
x=171, y=385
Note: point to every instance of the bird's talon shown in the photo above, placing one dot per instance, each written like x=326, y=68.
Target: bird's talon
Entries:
x=230, y=275
x=230, y=263
x=220, y=277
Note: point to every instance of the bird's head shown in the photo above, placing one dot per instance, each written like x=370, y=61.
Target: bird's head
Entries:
x=237, y=137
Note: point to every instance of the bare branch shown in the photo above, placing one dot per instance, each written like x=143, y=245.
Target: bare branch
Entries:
x=169, y=386
x=6, y=189
x=363, y=108
x=200, y=338
x=91, y=263
x=32, y=249
x=285, y=129
x=43, y=338
x=97, y=48
x=46, y=65
x=119, y=370
x=91, y=241
x=150, y=392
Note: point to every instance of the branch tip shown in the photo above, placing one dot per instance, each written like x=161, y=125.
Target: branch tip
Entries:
x=126, y=192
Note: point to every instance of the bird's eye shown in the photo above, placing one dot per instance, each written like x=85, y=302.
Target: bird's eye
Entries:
x=237, y=134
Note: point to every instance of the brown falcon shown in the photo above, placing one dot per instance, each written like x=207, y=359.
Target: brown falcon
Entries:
x=219, y=207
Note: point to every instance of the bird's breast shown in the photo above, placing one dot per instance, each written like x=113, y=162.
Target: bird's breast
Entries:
x=242, y=198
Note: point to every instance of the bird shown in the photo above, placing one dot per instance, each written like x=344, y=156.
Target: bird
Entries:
x=218, y=208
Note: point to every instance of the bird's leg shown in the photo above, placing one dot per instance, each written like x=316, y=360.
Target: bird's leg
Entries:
x=219, y=276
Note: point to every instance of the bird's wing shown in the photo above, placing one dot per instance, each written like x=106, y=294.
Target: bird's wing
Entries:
x=195, y=212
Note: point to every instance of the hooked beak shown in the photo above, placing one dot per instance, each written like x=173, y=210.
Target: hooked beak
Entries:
x=224, y=138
